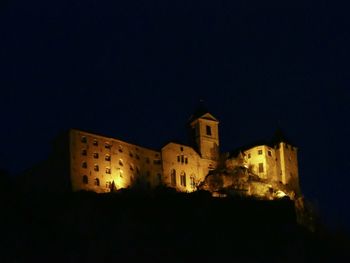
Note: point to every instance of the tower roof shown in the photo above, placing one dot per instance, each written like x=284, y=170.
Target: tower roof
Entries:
x=201, y=112
x=280, y=136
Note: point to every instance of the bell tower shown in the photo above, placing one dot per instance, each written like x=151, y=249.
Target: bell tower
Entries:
x=204, y=134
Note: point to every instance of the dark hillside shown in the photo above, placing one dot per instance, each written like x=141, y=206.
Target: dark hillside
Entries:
x=162, y=226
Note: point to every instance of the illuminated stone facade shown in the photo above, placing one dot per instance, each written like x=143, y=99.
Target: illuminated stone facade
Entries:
x=103, y=164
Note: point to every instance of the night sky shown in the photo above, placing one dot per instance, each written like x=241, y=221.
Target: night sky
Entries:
x=136, y=71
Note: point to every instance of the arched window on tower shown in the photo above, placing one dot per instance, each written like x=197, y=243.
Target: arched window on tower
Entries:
x=183, y=178
x=173, y=177
x=193, y=181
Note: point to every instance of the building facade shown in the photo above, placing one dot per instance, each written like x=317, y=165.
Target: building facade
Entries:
x=102, y=164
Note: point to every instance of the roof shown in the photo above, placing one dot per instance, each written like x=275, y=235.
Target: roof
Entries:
x=202, y=112
x=277, y=138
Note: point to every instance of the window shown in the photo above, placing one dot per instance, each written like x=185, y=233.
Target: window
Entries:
x=83, y=139
x=83, y=152
x=186, y=160
x=173, y=177
x=108, y=170
x=261, y=167
x=97, y=182
x=183, y=178
x=249, y=155
x=95, y=142
x=269, y=153
x=107, y=157
x=107, y=145
x=84, y=164
x=131, y=155
x=147, y=160
x=131, y=167
x=137, y=157
x=260, y=152
x=96, y=155
x=120, y=149
x=121, y=162
x=208, y=130
x=192, y=182
x=85, y=179
x=178, y=158
x=157, y=161
x=96, y=168
x=121, y=173
x=182, y=159
x=181, y=149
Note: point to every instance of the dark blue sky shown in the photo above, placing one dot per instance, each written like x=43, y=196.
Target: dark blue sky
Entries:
x=137, y=70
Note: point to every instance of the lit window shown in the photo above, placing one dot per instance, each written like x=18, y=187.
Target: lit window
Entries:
x=85, y=179
x=107, y=157
x=95, y=142
x=269, y=153
x=173, y=177
x=83, y=152
x=260, y=152
x=108, y=170
x=83, y=139
x=121, y=162
x=97, y=182
x=96, y=168
x=84, y=164
x=208, y=130
x=261, y=167
x=183, y=178
x=96, y=155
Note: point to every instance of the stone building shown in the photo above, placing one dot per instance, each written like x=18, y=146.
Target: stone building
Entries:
x=102, y=164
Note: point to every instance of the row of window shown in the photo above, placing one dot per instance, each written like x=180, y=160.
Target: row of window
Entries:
x=86, y=180
x=182, y=159
x=110, y=185
x=260, y=152
x=182, y=179
x=108, y=157
x=109, y=146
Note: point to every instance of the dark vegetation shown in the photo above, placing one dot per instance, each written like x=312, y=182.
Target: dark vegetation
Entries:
x=158, y=226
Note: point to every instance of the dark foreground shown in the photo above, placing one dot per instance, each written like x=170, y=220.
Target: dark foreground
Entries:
x=158, y=227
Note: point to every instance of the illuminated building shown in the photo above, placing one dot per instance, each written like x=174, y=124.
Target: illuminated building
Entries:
x=102, y=164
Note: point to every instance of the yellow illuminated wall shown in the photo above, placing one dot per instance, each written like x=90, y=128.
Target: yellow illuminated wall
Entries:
x=97, y=162
x=278, y=163
x=105, y=161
